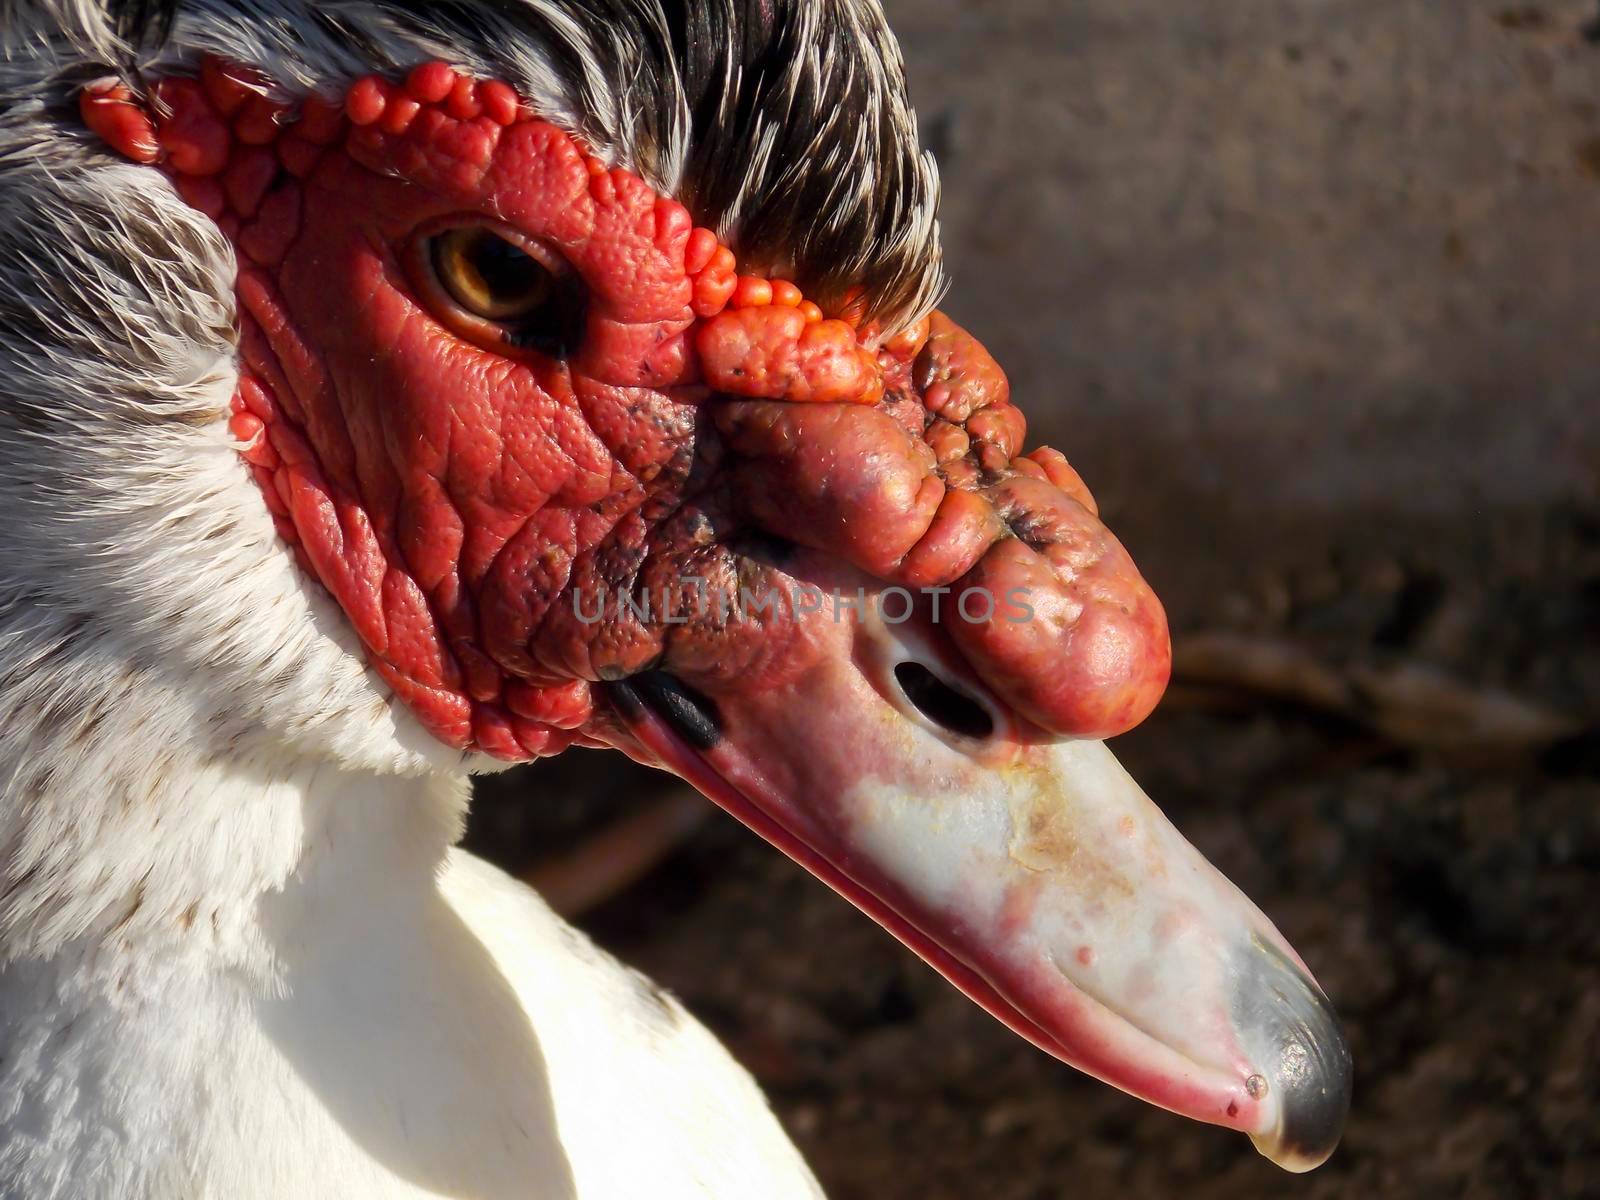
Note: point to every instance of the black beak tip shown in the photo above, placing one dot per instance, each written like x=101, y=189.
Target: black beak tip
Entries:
x=1302, y=1053
x=1315, y=1106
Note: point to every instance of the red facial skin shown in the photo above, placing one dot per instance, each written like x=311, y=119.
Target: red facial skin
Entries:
x=465, y=500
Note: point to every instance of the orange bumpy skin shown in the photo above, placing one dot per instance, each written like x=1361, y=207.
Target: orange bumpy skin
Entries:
x=466, y=497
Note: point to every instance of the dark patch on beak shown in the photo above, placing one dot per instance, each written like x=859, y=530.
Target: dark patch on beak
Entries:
x=690, y=715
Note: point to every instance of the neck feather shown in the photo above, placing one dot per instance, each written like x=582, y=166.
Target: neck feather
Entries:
x=122, y=832
x=176, y=698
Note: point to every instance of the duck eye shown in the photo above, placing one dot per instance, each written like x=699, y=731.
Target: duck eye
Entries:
x=528, y=302
x=488, y=276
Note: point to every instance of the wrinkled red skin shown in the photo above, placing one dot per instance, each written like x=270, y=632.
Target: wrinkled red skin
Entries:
x=468, y=503
x=774, y=353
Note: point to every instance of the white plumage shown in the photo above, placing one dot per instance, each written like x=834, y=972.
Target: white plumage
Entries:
x=394, y=1019
x=238, y=957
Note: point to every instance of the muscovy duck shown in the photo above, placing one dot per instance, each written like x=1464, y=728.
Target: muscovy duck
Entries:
x=392, y=390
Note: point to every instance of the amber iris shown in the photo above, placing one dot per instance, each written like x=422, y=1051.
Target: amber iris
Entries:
x=489, y=276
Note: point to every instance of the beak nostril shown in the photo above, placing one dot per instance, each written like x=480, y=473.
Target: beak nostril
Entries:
x=951, y=710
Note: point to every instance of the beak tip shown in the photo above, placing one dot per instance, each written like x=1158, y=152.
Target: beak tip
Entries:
x=1307, y=1064
x=1313, y=1122
x=1314, y=1117
x=1311, y=1126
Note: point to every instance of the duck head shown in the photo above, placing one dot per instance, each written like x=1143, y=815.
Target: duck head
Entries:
x=588, y=453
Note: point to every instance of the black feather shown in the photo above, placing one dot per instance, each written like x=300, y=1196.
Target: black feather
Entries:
x=143, y=24
x=735, y=62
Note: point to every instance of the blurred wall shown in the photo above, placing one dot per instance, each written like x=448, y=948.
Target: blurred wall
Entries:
x=1281, y=276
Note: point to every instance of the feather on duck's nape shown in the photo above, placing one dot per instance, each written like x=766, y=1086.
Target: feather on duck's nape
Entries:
x=782, y=124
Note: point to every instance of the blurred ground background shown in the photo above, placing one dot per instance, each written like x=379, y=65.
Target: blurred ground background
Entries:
x=1310, y=293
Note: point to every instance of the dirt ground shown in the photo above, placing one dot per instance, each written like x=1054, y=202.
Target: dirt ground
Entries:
x=1310, y=293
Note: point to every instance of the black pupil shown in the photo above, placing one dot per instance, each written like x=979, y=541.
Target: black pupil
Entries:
x=533, y=306
x=507, y=273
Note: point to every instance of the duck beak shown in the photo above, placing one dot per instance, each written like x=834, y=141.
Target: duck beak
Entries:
x=1032, y=872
